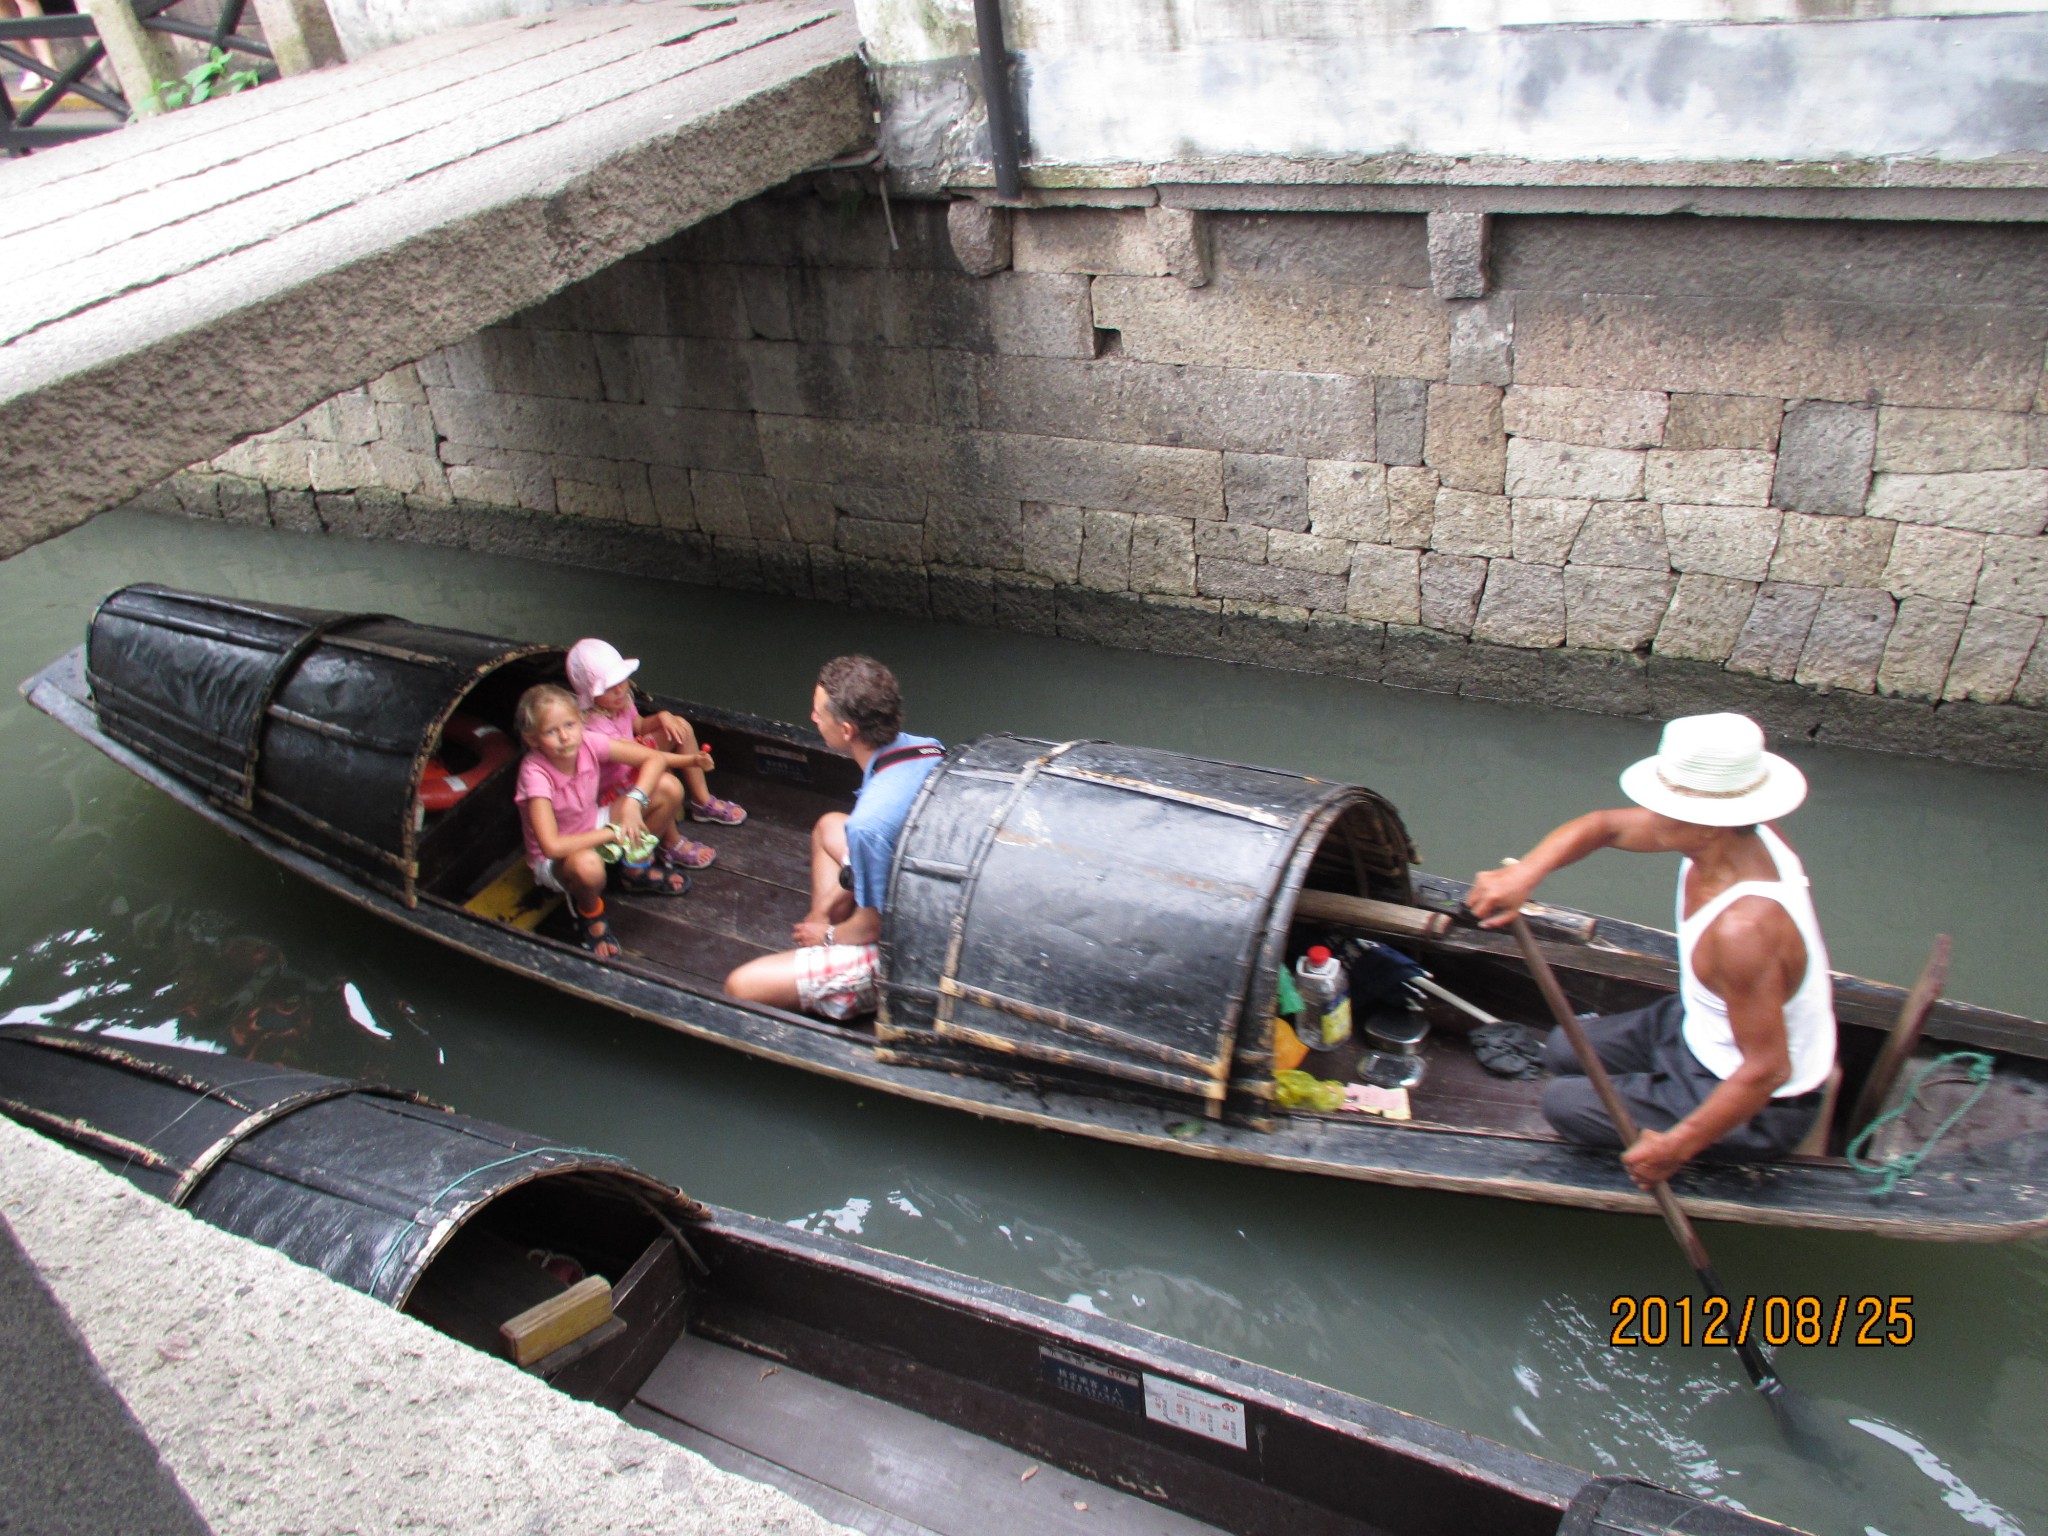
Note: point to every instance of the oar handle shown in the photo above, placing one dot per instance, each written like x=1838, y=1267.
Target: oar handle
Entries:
x=1625, y=1125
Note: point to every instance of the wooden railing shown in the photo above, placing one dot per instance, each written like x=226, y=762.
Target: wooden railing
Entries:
x=22, y=128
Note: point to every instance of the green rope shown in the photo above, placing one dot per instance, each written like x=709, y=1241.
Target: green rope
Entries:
x=1891, y=1170
x=449, y=1188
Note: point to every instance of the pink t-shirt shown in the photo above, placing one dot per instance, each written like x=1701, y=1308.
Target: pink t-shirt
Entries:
x=613, y=777
x=574, y=795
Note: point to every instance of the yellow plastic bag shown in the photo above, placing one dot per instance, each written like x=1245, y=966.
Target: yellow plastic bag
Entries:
x=1301, y=1090
x=1288, y=1051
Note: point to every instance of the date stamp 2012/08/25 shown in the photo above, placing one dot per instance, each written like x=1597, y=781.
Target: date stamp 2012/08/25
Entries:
x=1864, y=1321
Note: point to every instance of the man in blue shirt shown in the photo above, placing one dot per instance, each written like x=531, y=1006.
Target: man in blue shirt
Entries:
x=857, y=708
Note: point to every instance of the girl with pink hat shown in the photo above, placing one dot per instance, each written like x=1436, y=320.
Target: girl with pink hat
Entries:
x=598, y=674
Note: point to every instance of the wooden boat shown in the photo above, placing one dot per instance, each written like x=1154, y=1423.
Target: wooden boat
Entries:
x=889, y=1395
x=1080, y=936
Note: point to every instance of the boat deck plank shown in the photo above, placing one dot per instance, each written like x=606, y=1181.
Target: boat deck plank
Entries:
x=1459, y=1091
x=840, y=1508
x=921, y=1476
x=741, y=906
x=1455, y=1089
x=677, y=948
x=776, y=835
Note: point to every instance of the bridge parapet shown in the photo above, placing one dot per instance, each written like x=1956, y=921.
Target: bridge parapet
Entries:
x=212, y=274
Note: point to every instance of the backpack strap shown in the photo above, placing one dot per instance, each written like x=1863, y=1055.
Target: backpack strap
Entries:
x=895, y=755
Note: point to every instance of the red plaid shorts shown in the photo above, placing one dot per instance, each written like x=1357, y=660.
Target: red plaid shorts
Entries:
x=837, y=981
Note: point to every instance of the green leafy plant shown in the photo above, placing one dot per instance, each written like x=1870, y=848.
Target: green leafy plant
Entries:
x=212, y=78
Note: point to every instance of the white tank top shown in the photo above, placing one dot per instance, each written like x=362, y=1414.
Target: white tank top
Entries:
x=1809, y=1012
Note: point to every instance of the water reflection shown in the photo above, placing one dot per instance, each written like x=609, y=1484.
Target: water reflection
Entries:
x=129, y=915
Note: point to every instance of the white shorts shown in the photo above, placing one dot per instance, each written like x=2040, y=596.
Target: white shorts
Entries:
x=836, y=981
x=544, y=869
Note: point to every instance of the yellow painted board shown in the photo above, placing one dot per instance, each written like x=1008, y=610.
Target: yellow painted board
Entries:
x=546, y=1326
x=514, y=898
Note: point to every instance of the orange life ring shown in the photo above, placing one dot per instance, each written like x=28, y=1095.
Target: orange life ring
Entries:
x=441, y=790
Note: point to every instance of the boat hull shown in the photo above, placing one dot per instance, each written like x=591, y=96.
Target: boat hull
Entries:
x=903, y=1356
x=1943, y=1204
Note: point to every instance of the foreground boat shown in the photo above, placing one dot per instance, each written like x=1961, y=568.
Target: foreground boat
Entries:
x=1079, y=936
x=888, y=1394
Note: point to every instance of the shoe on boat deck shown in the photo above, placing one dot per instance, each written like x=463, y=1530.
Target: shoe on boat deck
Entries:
x=723, y=812
x=594, y=933
x=686, y=855
x=1510, y=1050
x=651, y=880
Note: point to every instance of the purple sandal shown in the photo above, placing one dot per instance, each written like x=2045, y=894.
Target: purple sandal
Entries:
x=686, y=854
x=723, y=812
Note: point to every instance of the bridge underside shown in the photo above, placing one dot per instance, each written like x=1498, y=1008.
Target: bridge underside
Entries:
x=195, y=278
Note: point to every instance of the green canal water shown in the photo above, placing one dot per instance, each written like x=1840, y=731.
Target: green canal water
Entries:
x=125, y=912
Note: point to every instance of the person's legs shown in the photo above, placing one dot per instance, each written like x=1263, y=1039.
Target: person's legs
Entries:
x=684, y=739
x=1670, y=1085
x=769, y=979
x=1634, y=1047
x=678, y=735
x=32, y=84
x=1575, y=1112
x=1624, y=1042
x=663, y=806
x=665, y=821
x=1683, y=1081
x=1772, y=1131
x=831, y=902
x=834, y=981
x=581, y=876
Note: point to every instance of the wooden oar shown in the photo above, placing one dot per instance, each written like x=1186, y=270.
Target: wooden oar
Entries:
x=1675, y=1218
x=1905, y=1034
x=1760, y=1373
x=1798, y=1420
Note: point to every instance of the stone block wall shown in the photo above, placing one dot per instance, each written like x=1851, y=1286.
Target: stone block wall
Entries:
x=1799, y=468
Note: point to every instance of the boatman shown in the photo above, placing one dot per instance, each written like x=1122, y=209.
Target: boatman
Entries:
x=1735, y=1064
x=858, y=709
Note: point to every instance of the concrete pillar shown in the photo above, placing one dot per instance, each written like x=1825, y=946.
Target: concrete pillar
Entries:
x=301, y=34
x=139, y=59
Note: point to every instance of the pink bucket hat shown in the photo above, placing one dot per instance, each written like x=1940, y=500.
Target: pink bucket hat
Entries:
x=595, y=666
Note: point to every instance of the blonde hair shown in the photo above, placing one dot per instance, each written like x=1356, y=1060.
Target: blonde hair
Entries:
x=526, y=718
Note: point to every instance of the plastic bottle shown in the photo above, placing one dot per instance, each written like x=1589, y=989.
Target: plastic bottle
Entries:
x=1325, y=999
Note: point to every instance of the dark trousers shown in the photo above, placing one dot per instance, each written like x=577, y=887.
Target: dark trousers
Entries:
x=1661, y=1082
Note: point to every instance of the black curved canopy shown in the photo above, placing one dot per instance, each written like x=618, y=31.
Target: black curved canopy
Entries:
x=315, y=724
x=365, y=1184
x=1116, y=910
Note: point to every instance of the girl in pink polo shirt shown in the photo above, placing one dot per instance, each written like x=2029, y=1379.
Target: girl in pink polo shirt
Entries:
x=599, y=675
x=565, y=824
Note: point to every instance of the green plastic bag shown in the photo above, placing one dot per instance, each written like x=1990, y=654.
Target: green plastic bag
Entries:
x=1302, y=1090
x=1288, y=1003
x=636, y=850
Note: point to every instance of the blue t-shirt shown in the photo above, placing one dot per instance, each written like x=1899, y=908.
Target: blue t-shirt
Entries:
x=879, y=811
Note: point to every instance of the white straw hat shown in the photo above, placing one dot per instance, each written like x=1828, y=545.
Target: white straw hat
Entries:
x=595, y=666
x=1713, y=771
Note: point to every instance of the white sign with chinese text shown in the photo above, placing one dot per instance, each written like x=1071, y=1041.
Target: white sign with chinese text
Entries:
x=1190, y=1408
